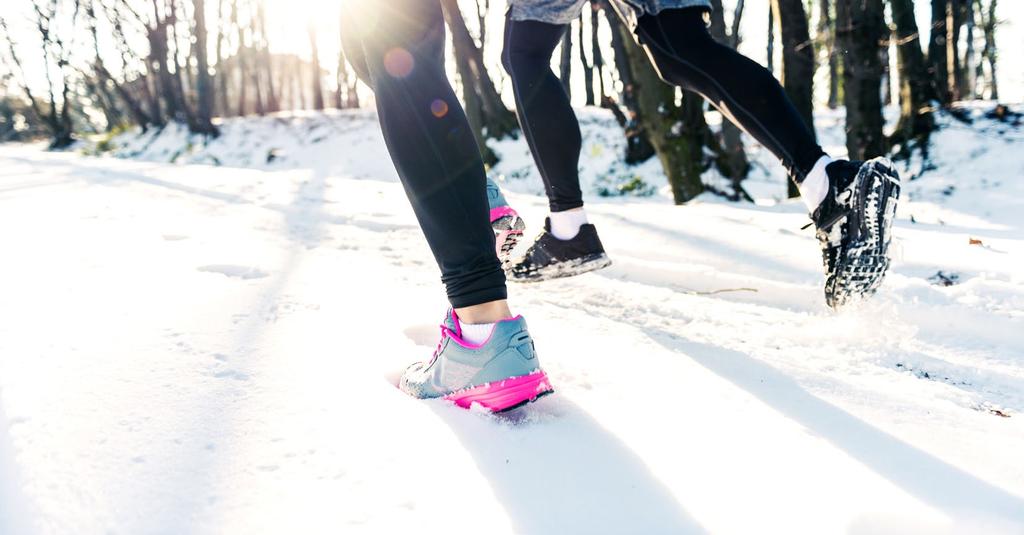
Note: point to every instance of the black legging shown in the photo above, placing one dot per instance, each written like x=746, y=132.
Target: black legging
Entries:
x=684, y=54
x=545, y=114
x=397, y=47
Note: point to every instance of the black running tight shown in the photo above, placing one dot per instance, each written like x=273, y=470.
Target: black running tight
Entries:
x=545, y=115
x=684, y=53
x=397, y=47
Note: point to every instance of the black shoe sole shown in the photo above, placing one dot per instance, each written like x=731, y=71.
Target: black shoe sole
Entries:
x=562, y=269
x=864, y=259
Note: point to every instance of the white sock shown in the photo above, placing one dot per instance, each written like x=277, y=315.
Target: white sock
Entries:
x=478, y=333
x=814, y=188
x=566, y=225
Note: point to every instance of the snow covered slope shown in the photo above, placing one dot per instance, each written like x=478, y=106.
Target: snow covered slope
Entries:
x=201, y=349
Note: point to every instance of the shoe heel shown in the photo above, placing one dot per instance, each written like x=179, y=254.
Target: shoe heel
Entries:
x=508, y=231
x=506, y=394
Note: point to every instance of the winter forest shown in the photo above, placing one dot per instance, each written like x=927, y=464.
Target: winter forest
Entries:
x=215, y=271
x=78, y=67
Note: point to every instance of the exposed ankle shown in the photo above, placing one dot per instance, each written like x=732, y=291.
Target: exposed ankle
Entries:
x=484, y=313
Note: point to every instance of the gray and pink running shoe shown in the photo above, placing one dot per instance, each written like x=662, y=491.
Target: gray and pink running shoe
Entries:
x=505, y=221
x=498, y=375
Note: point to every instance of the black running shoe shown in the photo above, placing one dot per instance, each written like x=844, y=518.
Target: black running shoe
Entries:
x=854, y=225
x=552, y=258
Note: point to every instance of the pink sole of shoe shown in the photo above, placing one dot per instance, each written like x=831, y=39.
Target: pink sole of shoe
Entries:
x=505, y=242
x=506, y=394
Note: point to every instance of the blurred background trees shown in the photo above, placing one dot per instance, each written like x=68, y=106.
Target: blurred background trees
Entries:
x=111, y=64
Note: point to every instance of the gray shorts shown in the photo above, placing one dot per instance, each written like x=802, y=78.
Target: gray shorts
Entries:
x=564, y=11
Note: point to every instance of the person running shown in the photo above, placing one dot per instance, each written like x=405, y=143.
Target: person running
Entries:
x=485, y=355
x=851, y=204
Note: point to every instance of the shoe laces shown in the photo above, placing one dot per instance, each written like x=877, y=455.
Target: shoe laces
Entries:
x=446, y=332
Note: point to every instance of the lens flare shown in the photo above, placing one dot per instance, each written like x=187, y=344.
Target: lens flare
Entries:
x=399, y=62
x=439, y=108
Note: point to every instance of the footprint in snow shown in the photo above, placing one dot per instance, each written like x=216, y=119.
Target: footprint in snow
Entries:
x=233, y=271
x=422, y=335
x=232, y=374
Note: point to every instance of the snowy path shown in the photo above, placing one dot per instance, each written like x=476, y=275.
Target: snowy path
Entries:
x=191, y=349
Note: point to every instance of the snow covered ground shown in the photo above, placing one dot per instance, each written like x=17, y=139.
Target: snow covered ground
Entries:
x=190, y=348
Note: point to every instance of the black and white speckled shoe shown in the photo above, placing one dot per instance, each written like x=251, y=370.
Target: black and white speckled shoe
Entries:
x=854, y=227
x=552, y=258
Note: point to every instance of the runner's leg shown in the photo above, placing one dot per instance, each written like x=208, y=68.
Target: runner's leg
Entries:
x=685, y=54
x=545, y=114
x=401, y=44
x=569, y=244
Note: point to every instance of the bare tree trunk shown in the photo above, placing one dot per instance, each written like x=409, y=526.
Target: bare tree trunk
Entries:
x=316, y=86
x=220, y=74
x=734, y=32
x=158, y=53
x=350, y=79
x=953, y=22
x=273, y=105
x=353, y=91
x=150, y=92
x=638, y=144
x=26, y=87
x=341, y=80
x=595, y=50
x=732, y=162
x=860, y=29
x=916, y=90
x=100, y=95
x=797, y=56
x=938, y=65
x=179, y=78
x=284, y=84
x=182, y=73
x=204, y=85
x=676, y=132
x=139, y=95
x=826, y=28
x=588, y=68
x=464, y=47
x=496, y=120
x=298, y=85
x=55, y=52
x=257, y=87
x=253, y=55
x=140, y=117
x=104, y=77
x=239, y=58
x=797, y=62
x=471, y=101
x=990, y=51
x=970, y=80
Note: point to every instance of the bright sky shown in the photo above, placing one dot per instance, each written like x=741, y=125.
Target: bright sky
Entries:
x=287, y=21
